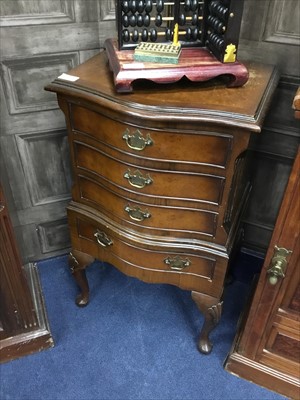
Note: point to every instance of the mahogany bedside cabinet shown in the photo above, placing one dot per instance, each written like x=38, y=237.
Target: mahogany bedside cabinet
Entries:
x=159, y=177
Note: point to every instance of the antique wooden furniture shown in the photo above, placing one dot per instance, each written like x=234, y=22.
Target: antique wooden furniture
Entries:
x=196, y=64
x=267, y=348
x=159, y=183
x=206, y=31
x=202, y=23
x=23, y=322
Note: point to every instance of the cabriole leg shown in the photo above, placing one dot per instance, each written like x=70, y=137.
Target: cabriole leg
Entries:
x=78, y=261
x=211, y=308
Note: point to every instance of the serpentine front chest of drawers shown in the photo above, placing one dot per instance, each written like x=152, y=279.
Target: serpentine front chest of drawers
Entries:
x=159, y=177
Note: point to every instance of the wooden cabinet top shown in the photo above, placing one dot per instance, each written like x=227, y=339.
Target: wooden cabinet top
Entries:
x=209, y=102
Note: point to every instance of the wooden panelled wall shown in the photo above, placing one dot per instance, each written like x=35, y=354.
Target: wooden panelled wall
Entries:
x=40, y=39
x=270, y=33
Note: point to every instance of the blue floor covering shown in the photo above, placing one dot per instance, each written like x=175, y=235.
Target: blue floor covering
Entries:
x=134, y=341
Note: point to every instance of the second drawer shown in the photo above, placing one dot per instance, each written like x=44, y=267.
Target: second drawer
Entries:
x=147, y=218
x=152, y=182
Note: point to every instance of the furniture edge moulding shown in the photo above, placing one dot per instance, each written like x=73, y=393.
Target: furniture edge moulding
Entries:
x=126, y=104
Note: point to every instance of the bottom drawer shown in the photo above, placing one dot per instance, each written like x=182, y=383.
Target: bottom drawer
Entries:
x=150, y=261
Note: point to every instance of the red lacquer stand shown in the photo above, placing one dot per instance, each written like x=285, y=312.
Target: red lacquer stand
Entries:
x=197, y=64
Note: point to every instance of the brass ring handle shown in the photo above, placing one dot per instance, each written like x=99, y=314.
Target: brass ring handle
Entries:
x=136, y=141
x=177, y=263
x=103, y=239
x=136, y=213
x=137, y=179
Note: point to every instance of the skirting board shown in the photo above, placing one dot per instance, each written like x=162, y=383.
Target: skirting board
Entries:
x=262, y=375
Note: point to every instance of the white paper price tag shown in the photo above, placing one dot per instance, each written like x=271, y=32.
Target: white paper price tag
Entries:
x=67, y=77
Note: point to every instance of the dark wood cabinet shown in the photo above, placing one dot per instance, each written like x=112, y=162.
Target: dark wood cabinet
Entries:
x=160, y=177
x=23, y=322
x=267, y=347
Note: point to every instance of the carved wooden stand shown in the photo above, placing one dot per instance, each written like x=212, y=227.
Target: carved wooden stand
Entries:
x=196, y=64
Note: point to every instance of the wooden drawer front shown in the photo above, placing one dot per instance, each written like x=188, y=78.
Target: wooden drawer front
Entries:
x=168, y=221
x=190, y=270
x=200, y=148
x=193, y=187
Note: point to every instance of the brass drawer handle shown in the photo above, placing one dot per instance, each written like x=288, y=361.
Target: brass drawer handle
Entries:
x=136, y=141
x=103, y=239
x=136, y=213
x=137, y=179
x=177, y=263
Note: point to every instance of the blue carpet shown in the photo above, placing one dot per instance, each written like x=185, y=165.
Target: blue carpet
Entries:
x=134, y=341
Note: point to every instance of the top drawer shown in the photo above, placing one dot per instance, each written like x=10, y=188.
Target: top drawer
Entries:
x=197, y=148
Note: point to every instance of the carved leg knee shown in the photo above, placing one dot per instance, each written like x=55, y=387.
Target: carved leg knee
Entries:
x=211, y=308
x=78, y=262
